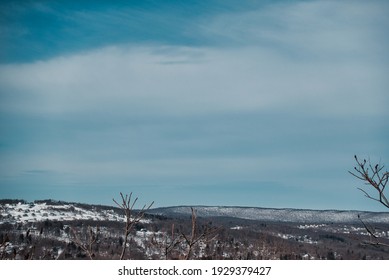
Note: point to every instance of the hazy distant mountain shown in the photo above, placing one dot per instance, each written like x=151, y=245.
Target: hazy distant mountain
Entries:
x=21, y=211
x=276, y=215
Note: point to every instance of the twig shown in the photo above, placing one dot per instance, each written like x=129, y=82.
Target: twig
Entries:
x=131, y=218
x=91, y=239
x=196, y=237
x=373, y=176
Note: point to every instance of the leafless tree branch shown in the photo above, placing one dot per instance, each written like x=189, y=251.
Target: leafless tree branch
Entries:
x=373, y=237
x=91, y=239
x=131, y=217
x=171, y=243
x=3, y=246
x=376, y=178
x=373, y=176
x=195, y=237
x=168, y=241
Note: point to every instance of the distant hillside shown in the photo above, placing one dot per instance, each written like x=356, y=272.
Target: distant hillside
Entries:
x=22, y=211
x=12, y=211
x=48, y=229
x=276, y=215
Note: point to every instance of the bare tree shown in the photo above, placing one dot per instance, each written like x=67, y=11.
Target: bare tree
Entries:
x=167, y=242
x=196, y=236
x=3, y=247
x=374, y=239
x=131, y=217
x=90, y=239
x=170, y=242
x=375, y=177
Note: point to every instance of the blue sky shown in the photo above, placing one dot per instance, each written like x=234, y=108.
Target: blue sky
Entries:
x=249, y=103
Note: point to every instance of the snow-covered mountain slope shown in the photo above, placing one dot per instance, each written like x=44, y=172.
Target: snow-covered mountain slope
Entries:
x=42, y=211
x=277, y=215
x=64, y=211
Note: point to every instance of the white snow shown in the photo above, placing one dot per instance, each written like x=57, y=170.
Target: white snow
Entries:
x=237, y=227
x=34, y=212
x=278, y=215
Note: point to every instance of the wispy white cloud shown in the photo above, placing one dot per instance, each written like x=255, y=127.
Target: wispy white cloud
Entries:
x=142, y=80
x=328, y=30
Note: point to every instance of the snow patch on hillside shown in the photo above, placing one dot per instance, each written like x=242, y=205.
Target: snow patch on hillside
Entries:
x=277, y=215
x=35, y=212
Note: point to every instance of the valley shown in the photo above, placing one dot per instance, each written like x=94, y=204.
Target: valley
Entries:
x=50, y=229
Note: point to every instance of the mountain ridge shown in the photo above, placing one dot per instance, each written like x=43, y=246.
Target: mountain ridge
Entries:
x=275, y=214
x=54, y=201
x=22, y=211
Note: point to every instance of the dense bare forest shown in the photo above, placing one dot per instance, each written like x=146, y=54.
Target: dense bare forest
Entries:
x=57, y=230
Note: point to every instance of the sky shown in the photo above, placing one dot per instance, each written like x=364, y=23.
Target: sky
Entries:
x=238, y=103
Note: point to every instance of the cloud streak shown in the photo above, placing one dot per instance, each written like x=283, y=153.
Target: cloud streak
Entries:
x=151, y=81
